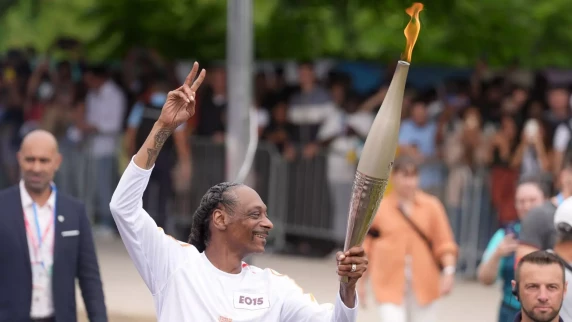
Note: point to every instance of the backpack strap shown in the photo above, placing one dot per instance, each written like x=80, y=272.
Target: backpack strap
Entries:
x=565, y=263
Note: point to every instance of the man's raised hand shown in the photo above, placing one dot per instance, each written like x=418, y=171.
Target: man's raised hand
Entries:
x=180, y=104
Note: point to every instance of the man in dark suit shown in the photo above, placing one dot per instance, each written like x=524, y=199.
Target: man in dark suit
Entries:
x=46, y=244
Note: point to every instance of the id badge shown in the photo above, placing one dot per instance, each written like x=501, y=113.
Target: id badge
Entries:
x=40, y=276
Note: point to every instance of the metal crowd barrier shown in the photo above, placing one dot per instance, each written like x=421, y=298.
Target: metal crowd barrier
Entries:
x=78, y=173
x=309, y=206
x=297, y=194
x=473, y=221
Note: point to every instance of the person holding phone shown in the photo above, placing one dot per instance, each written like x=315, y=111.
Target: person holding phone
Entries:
x=499, y=258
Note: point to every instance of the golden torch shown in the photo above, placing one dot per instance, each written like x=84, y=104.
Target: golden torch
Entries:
x=377, y=157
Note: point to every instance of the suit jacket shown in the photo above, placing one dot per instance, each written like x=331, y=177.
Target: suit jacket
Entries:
x=74, y=257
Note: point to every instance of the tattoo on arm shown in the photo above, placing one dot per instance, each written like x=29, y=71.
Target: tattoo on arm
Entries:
x=160, y=137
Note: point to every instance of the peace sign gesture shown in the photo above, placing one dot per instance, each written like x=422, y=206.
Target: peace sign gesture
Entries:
x=180, y=104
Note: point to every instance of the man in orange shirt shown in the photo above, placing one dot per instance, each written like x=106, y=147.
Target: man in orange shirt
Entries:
x=411, y=250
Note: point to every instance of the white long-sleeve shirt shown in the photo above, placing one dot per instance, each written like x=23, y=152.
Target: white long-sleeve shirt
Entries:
x=186, y=287
x=105, y=109
x=42, y=296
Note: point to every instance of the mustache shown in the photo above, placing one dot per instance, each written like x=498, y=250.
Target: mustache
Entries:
x=261, y=232
x=35, y=174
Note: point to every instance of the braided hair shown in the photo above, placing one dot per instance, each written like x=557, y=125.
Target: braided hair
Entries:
x=215, y=197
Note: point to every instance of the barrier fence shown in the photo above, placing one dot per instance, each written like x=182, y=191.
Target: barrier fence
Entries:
x=297, y=193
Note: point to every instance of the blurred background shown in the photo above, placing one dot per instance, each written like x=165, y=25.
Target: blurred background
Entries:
x=481, y=71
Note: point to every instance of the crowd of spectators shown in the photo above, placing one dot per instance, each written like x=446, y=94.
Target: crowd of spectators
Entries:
x=509, y=122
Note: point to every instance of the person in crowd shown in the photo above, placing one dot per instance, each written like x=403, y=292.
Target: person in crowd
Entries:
x=281, y=132
x=537, y=228
x=105, y=107
x=531, y=155
x=514, y=104
x=563, y=249
x=308, y=109
x=558, y=118
x=540, y=287
x=411, y=249
x=47, y=244
x=464, y=149
x=176, y=150
x=503, y=175
x=343, y=133
x=418, y=139
x=498, y=260
x=211, y=106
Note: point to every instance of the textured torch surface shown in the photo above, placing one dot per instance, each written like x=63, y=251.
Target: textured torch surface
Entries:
x=366, y=196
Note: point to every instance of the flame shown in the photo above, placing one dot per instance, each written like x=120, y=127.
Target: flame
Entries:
x=412, y=29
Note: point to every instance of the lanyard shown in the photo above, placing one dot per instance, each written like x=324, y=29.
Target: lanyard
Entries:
x=41, y=237
x=559, y=198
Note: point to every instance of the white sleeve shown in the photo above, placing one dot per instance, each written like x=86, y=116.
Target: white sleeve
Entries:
x=181, y=127
x=155, y=254
x=561, y=138
x=300, y=307
x=310, y=113
x=331, y=127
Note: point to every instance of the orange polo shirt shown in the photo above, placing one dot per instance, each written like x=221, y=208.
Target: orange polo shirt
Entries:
x=397, y=239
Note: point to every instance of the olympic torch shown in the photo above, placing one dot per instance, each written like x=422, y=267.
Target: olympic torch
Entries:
x=378, y=153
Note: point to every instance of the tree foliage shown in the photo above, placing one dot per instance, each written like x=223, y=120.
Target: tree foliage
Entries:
x=453, y=32
x=38, y=23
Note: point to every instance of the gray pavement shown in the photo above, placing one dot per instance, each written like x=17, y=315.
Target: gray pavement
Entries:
x=129, y=300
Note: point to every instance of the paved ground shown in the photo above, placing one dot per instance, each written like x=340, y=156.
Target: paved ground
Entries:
x=128, y=299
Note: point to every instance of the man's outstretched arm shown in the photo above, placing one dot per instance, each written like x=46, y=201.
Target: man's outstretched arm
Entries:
x=154, y=253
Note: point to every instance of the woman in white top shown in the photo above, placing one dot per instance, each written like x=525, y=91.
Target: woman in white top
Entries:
x=207, y=280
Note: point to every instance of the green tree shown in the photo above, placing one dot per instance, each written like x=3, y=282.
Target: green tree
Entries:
x=38, y=23
x=177, y=28
x=453, y=32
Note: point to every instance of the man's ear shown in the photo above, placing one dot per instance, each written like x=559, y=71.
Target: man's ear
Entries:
x=58, y=161
x=219, y=219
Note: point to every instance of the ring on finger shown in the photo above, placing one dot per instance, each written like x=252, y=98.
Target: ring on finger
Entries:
x=354, y=267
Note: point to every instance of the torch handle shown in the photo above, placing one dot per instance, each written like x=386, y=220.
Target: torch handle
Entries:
x=367, y=193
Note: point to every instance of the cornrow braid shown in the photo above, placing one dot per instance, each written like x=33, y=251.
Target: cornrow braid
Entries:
x=217, y=196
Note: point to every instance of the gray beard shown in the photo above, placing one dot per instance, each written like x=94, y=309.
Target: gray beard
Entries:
x=36, y=190
x=534, y=319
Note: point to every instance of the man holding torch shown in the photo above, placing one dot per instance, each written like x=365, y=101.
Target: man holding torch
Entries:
x=207, y=279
